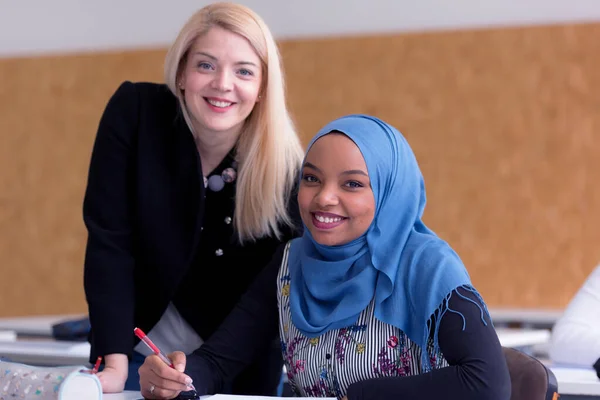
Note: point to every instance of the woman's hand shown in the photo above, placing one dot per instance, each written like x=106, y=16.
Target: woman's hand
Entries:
x=159, y=381
x=114, y=374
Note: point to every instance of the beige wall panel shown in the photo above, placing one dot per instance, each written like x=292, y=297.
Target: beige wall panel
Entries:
x=49, y=112
x=505, y=124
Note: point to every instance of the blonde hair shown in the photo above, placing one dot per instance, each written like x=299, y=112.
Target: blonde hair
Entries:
x=269, y=151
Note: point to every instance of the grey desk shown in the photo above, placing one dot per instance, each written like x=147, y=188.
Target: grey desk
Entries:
x=39, y=348
x=519, y=338
x=35, y=326
x=46, y=352
x=525, y=317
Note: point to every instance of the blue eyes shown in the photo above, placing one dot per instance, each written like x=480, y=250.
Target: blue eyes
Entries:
x=208, y=67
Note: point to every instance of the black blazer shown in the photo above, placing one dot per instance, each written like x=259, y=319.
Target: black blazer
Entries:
x=150, y=240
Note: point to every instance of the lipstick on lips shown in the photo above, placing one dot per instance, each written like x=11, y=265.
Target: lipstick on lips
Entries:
x=324, y=220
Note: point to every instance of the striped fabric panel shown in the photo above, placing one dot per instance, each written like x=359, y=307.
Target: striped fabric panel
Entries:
x=325, y=366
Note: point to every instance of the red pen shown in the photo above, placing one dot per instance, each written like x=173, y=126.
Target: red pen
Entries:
x=97, y=365
x=139, y=333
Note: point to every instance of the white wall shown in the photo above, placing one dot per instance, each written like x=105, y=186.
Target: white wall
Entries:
x=47, y=26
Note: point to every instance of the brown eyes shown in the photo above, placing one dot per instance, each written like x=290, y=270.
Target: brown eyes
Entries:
x=349, y=184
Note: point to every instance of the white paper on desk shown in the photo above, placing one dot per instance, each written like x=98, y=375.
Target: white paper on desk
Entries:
x=8, y=336
x=580, y=381
x=238, y=397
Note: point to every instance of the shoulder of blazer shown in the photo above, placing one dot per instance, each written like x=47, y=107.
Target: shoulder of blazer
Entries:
x=145, y=98
x=135, y=99
x=149, y=107
x=152, y=98
x=138, y=106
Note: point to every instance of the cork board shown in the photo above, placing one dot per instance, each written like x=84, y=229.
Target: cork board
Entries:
x=505, y=124
x=49, y=112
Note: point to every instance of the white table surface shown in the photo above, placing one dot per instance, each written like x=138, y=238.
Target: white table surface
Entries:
x=46, y=352
x=576, y=381
x=522, y=337
x=571, y=381
x=7, y=336
x=130, y=395
x=126, y=395
x=503, y=315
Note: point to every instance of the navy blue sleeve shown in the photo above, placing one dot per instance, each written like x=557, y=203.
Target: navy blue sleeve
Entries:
x=249, y=330
x=477, y=367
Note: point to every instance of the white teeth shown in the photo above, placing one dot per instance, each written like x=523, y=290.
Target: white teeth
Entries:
x=221, y=104
x=327, y=220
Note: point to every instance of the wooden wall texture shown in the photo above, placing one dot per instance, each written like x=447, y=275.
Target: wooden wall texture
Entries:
x=504, y=122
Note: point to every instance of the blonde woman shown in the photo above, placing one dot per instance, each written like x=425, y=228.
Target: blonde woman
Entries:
x=190, y=191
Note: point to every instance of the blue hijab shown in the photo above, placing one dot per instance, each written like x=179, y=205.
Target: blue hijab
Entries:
x=399, y=262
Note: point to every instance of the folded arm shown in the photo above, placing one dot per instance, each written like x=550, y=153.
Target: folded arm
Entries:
x=477, y=367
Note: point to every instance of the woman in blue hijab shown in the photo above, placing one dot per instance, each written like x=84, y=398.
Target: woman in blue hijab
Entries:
x=369, y=302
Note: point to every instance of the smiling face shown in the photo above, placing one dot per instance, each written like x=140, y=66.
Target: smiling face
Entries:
x=221, y=80
x=336, y=201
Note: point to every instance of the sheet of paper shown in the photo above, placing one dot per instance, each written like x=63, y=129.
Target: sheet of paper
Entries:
x=8, y=336
x=126, y=395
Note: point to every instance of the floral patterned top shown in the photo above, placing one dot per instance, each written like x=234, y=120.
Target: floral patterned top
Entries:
x=327, y=365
